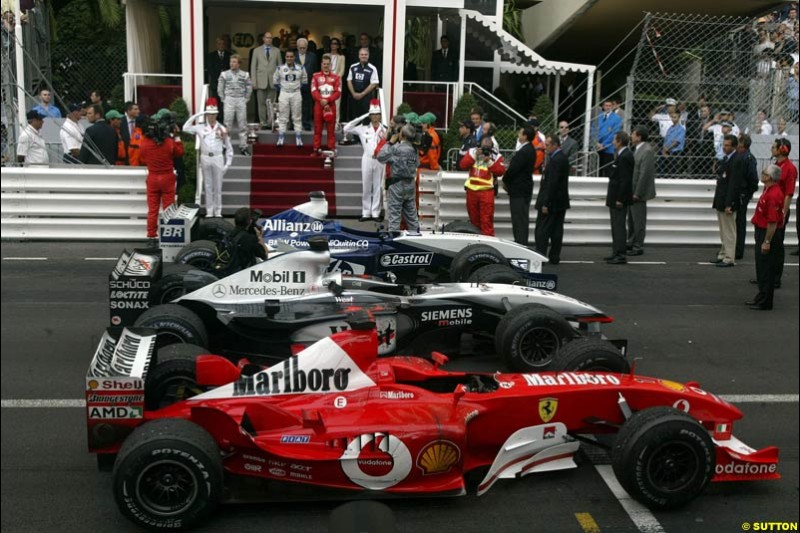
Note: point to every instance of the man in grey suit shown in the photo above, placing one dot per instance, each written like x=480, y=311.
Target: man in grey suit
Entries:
x=568, y=145
x=644, y=188
x=262, y=69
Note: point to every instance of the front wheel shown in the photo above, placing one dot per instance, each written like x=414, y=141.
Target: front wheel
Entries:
x=528, y=337
x=174, y=376
x=663, y=457
x=586, y=354
x=168, y=475
x=174, y=324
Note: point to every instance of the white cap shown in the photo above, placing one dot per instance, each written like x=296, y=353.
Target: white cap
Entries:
x=672, y=101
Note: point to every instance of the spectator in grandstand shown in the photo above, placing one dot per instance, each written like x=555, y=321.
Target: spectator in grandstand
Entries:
x=763, y=42
x=672, y=148
x=699, y=141
x=31, y=147
x=761, y=126
x=780, y=131
x=489, y=129
x=465, y=133
x=403, y=161
x=730, y=174
x=96, y=97
x=618, y=109
x=485, y=165
x=767, y=220
x=71, y=134
x=476, y=116
x=518, y=183
x=444, y=64
x=793, y=93
x=568, y=145
x=661, y=115
x=748, y=187
x=605, y=128
x=619, y=196
x=644, y=188
x=45, y=107
x=788, y=183
x=552, y=202
x=307, y=60
x=99, y=141
x=725, y=129
x=114, y=119
x=263, y=63
x=431, y=149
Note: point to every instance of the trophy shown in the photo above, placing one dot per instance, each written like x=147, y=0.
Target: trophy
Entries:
x=329, y=155
x=252, y=132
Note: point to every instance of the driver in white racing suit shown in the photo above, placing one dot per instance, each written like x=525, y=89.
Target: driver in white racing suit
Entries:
x=234, y=89
x=289, y=78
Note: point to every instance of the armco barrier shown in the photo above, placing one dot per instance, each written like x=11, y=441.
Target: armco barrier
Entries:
x=73, y=203
x=680, y=214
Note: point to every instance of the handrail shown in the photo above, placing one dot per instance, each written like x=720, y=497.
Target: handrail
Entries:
x=489, y=95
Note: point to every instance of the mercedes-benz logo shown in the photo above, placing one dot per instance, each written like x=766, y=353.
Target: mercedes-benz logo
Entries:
x=219, y=290
x=551, y=285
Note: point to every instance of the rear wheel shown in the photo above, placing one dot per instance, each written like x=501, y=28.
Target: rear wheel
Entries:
x=497, y=274
x=168, y=475
x=663, y=457
x=460, y=226
x=213, y=229
x=472, y=258
x=592, y=355
x=174, y=324
x=174, y=377
x=528, y=337
x=199, y=254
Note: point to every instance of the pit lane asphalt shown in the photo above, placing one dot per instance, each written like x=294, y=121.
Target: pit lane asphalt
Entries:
x=685, y=320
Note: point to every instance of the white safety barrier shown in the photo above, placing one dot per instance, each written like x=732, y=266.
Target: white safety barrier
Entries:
x=74, y=203
x=680, y=214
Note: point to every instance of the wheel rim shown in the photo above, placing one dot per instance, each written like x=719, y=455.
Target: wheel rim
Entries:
x=673, y=466
x=167, y=488
x=177, y=389
x=538, y=346
x=202, y=263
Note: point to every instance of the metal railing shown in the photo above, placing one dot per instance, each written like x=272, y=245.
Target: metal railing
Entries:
x=582, y=164
x=495, y=103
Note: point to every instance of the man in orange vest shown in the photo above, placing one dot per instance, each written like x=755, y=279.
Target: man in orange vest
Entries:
x=429, y=155
x=485, y=165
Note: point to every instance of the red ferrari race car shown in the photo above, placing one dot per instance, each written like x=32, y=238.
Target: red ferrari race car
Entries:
x=335, y=421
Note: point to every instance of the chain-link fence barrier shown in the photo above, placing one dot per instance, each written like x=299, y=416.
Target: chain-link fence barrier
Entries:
x=696, y=78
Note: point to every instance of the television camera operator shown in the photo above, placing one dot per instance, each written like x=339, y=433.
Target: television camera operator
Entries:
x=403, y=159
x=160, y=146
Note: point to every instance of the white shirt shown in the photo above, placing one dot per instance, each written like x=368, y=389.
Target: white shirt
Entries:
x=765, y=129
x=368, y=135
x=128, y=122
x=212, y=140
x=31, y=145
x=71, y=135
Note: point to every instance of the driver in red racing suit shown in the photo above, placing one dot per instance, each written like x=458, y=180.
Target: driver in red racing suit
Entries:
x=326, y=88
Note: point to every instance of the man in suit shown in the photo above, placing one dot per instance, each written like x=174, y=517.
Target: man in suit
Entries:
x=128, y=126
x=644, y=188
x=217, y=62
x=748, y=187
x=444, y=64
x=607, y=125
x=265, y=60
x=730, y=174
x=99, y=141
x=553, y=201
x=568, y=145
x=619, y=195
x=518, y=183
x=307, y=60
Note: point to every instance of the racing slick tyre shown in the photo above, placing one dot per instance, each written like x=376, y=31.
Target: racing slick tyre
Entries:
x=472, y=258
x=529, y=337
x=663, y=457
x=174, y=376
x=168, y=475
x=497, y=274
x=174, y=323
x=213, y=229
x=199, y=254
x=460, y=226
x=170, y=286
x=587, y=354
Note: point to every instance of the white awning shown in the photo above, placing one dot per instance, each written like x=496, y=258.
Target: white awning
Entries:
x=516, y=56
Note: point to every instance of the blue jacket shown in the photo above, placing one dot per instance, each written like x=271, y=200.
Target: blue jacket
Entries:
x=605, y=129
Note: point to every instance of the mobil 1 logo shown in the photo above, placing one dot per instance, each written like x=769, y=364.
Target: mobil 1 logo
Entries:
x=407, y=259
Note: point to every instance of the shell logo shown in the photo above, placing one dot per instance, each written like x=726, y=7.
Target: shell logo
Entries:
x=93, y=384
x=438, y=457
x=672, y=385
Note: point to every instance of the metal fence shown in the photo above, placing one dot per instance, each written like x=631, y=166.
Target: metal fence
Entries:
x=709, y=65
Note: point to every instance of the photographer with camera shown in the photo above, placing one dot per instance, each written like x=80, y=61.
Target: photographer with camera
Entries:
x=245, y=242
x=160, y=146
x=403, y=161
x=485, y=165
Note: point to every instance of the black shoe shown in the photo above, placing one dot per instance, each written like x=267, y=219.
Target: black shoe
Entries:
x=723, y=264
x=364, y=219
x=715, y=261
x=629, y=247
x=617, y=260
x=757, y=299
x=635, y=252
x=753, y=281
x=777, y=284
x=609, y=258
x=760, y=307
x=554, y=261
x=244, y=150
x=152, y=242
x=738, y=257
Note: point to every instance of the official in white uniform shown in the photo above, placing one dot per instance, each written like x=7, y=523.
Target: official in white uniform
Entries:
x=372, y=172
x=216, y=154
x=235, y=89
x=290, y=78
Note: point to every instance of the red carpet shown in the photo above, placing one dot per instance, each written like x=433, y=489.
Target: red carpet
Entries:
x=281, y=178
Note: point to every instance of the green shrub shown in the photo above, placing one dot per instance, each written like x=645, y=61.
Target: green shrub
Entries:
x=461, y=113
x=403, y=108
x=543, y=110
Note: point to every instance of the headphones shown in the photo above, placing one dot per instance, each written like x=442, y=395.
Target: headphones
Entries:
x=784, y=146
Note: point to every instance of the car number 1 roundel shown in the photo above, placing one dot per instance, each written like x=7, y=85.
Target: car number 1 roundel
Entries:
x=376, y=461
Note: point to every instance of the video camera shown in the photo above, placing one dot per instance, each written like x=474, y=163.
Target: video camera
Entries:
x=255, y=214
x=160, y=128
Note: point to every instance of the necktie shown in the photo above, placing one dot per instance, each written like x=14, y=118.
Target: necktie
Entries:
x=267, y=52
x=220, y=54
x=445, y=53
x=605, y=116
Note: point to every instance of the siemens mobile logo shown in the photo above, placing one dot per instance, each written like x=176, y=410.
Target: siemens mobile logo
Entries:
x=287, y=225
x=449, y=317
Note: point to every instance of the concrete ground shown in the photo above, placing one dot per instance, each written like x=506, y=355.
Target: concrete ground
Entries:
x=685, y=320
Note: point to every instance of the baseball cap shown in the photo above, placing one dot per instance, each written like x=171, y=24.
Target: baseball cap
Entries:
x=74, y=106
x=33, y=114
x=727, y=123
x=671, y=101
x=113, y=114
x=467, y=124
x=533, y=122
x=428, y=118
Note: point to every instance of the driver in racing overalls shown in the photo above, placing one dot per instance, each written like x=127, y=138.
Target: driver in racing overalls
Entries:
x=289, y=78
x=234, y=89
